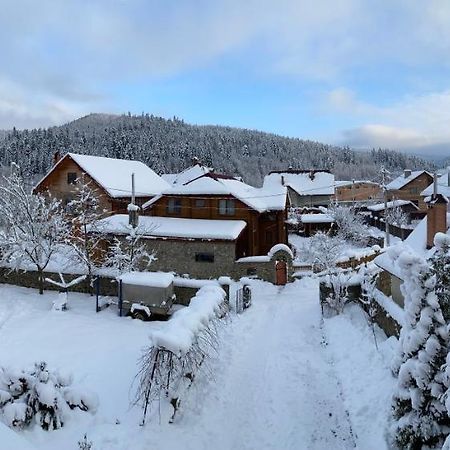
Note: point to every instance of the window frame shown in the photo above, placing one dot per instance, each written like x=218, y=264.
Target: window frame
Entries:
x=227, y=207
x=174, y=206
x=204, y=257
x=71, y=178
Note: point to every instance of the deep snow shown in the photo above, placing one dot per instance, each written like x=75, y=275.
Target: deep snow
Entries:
x=284, y=378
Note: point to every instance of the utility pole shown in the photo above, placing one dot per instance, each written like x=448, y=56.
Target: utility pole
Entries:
x=386, y=223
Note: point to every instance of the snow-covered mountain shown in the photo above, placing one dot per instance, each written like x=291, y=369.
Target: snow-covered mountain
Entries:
x=170, y=145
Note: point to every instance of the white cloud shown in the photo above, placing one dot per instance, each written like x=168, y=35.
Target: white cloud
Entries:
x=416, y=121
x=99, y=42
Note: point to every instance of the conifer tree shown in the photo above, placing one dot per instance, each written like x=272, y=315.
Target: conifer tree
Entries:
x=420, y=416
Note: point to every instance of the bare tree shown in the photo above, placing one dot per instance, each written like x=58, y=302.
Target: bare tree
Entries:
x=350, y=225
x=86, y=238
x=129, y=253
x=33, y=227
x=396, y=216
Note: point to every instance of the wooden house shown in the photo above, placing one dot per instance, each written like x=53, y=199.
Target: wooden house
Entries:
x=218, y=197
x=110, y=177
x=357, y=191
x=306, y=188
x=409, y=187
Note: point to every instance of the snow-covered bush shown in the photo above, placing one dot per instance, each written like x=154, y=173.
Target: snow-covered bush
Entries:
x=85, y=444
x=420, y=416
x=33, y=227
x=337, y=297
x=350, y=226
x=180, y=349
x=39, y=396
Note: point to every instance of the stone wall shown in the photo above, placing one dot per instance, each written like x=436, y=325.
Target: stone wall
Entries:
x=30, y=279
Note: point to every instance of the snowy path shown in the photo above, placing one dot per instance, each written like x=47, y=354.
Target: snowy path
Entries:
x=279, y=384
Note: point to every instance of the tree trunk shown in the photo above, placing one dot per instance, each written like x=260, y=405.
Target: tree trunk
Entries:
x=41, y=281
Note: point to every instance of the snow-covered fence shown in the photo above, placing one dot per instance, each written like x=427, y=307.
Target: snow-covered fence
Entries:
x=179, y=349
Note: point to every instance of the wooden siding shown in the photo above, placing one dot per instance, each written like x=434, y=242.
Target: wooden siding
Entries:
x=56, y=183
x=358, y=192
x=412, y=190
x=263, y=231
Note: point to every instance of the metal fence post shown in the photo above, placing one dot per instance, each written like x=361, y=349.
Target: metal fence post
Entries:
x=120, y=298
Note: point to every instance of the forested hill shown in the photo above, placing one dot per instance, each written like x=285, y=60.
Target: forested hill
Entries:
x=169, y=146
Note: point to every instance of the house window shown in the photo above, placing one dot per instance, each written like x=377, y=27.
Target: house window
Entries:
x=414, y=190
x=204, y=257
x=200, y=203
x=226, y=207
x=71, y=177
x=174, y=206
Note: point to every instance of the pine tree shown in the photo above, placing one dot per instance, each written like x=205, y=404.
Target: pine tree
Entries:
x=420, y=416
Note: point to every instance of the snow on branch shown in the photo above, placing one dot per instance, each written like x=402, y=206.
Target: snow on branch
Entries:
x=180, y=349
x=41, y=396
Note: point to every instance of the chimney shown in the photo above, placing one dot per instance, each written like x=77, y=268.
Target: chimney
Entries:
x=195, y=161
x=407, y=173
x=435, y=184
x=436, y=217
x=133, y=209
x=56, y=157
x=448, y=176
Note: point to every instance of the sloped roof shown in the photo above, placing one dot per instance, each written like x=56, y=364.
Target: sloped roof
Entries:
x=260, y=199
x=340, y=183
x=303, y=182
x=402, y=181
x=442, y=186
x=114, y=175
x=189, y=174
x=392, y=204
x=174, y=227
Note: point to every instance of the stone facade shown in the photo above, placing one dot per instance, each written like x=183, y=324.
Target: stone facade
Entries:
x=179, y=256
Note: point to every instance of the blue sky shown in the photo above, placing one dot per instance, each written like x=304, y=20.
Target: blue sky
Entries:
x=354, y=72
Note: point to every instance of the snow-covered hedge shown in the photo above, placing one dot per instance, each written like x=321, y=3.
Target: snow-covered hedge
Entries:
x=40, y=396
x=181, y=331
x=180, y=348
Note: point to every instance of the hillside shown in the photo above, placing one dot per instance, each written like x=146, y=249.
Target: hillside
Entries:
x=169, y=146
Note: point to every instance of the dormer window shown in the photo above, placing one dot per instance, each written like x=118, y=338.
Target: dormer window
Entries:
x=71, y=177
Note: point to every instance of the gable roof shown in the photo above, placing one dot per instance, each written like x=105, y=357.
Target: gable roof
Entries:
x=304, y=182
x=114, y=175
x=401, y=181
x=259, y=199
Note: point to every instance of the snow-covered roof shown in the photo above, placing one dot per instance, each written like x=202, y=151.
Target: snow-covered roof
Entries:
x=151, y=279
x=114, y=175
x=173, y=227
x=304, y=183
x=416, y=242
x=316, y=218
x=392, y=204
x=261, y=199
x=442, y=186
x=402, y=181
x=187, y=175
x=340, y=183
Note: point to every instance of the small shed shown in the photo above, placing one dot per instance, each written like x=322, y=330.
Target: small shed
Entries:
x=144, y=293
